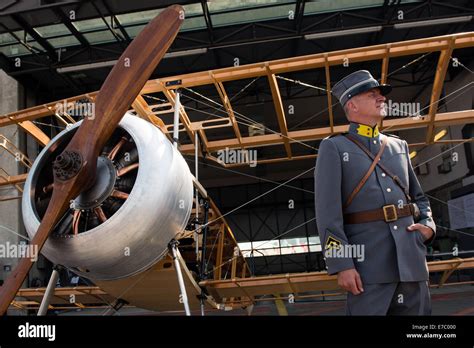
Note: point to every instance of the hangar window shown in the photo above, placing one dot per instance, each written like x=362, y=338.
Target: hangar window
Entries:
x=58, y=35
x=64, y=41
x=89, y=24
x=99, y=36
x=312, y=7
x=9, y=38
x=138, y=17
x=285, y=246
x=249, y=11
x=53, y=30
x=10, y=46
x=136, y=21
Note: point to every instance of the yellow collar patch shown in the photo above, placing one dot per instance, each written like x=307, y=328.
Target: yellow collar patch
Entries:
x=367, y=131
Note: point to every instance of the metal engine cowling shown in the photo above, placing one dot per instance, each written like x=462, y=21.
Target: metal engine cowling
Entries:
x=135, y=229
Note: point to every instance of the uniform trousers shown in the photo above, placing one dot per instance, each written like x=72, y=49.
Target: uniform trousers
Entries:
x=401, y=298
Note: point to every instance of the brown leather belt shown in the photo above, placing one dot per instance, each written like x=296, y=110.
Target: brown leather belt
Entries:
x=387, y=213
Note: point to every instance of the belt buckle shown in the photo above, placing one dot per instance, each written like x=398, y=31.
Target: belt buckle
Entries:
x=386, y=213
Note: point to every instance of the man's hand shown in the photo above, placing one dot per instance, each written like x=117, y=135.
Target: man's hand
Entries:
x=426, y=231
x=350, y=280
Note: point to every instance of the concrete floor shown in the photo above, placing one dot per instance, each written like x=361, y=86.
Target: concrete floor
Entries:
x=449, y=300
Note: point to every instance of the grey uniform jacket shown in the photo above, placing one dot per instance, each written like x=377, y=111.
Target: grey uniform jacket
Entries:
x=391, y=253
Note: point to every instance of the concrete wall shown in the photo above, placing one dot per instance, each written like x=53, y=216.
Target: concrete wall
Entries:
x=14, y=97
x=10, y=213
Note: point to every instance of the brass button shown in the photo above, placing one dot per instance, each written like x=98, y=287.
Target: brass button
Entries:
x=389, y=190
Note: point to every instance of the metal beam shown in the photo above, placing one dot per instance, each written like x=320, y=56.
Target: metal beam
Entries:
x=171, y=96
x=67, y=22
x=299, y=14
x=116, y=21
x=207, y=18
x=34, y=34
x=119, y=39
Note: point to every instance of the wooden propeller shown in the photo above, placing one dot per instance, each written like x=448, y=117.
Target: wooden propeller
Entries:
x=75, y=169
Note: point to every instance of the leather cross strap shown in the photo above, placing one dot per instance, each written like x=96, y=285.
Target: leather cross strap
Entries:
x=395, y=178
x=367, y=175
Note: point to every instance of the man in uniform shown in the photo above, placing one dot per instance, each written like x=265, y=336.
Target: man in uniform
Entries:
x=368, y=199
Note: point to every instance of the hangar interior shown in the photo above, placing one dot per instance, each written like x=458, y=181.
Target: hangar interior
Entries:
x=251, y=75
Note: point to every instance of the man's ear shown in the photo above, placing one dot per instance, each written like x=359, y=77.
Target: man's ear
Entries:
x=351, y=105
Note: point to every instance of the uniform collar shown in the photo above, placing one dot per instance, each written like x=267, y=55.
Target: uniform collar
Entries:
x=364, y=130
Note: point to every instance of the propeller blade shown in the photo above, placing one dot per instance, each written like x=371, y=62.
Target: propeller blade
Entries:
x=75, y=169
x=57, y=207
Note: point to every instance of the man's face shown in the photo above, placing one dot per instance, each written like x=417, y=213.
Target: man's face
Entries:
x=371, y=104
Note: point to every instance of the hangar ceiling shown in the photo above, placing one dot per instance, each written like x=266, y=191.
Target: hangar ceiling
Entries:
x=54, y=39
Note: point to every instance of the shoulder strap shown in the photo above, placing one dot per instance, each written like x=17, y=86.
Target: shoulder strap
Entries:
x=395, y=178
x=367, y=175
